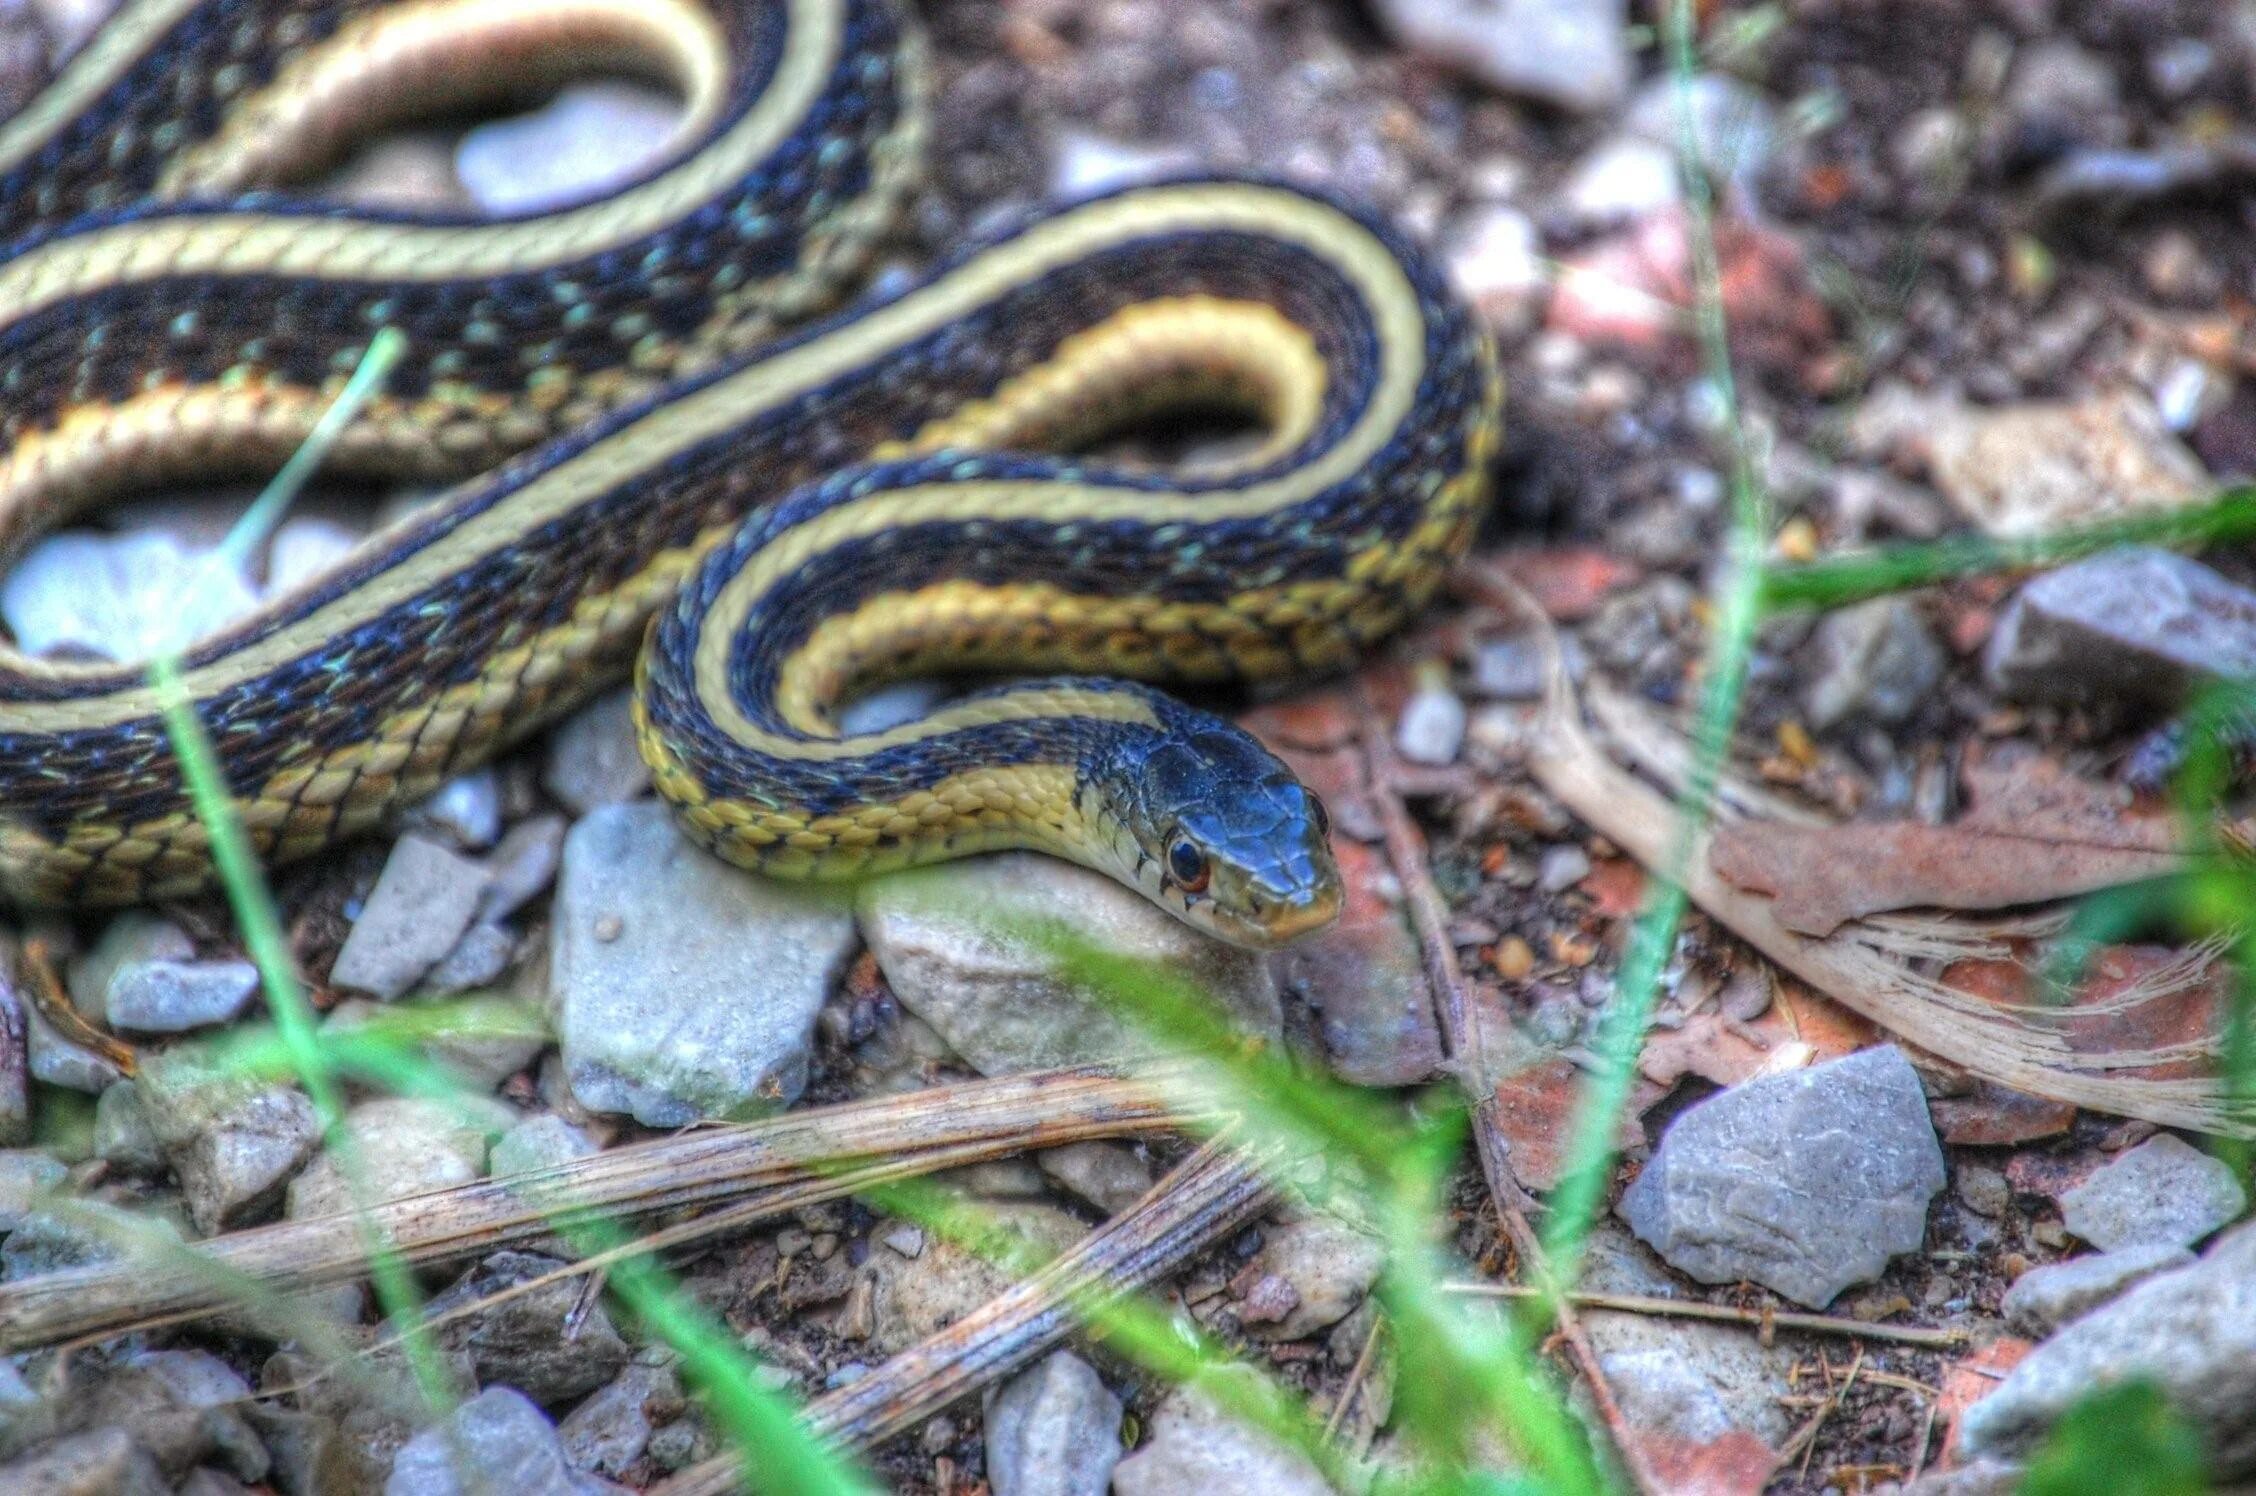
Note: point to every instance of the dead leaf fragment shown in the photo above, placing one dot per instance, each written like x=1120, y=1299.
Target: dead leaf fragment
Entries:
x=2035, y=833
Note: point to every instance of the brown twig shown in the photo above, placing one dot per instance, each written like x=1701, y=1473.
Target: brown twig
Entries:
x=1805, y=1437
x=1461, y=1044
x=1356, y=1377
x=1212, y=1193
x=1758, y=1319
x=756, y=1167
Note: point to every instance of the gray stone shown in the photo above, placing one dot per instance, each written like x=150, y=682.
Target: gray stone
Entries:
x=124, y=597
x=684, y=988
x=591, y=136
x=522, y=867
x=123, y=1136
x=466, y=809
x=1984, y=1190
x=26, y=1177
x=419, y=909
x=1052, y=1430
x=1109, y=1176
x=1509, y=669
x=912, y=1297
x=1878, y=658
x=181, y=1406
x=1805, y=1182
x=1191, y=1446
x=2044, y=1298
x=1572, y=53
x=233, y=1139
x=1561, y=868
x=497, y=1442
x=15, y=1064
x=1083, y=165
x=1432, y=727
x=404, y=1145
x=43, y=1243
x=609, y=1431
x=1621, y=179
x=105, y=1462
x=304, y=547
x=1494, y=257
x=1328, y=1265
x=538, y=1143
x=2165, y=1190
x=1734, y=127
x=524, y=1341
x=143, y=975
x=971, y=948
x=1696, y=1379
x=2061, y=89
x=477, y=961
x=55, y=1060
x=2137, y=624
x=592, y=757
x=481, y=1041
x=2191, y=1332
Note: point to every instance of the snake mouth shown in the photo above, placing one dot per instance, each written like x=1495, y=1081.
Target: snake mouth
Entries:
x=1267, y=923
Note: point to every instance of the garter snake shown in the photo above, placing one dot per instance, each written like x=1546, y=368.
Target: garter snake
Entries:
x=641, y=447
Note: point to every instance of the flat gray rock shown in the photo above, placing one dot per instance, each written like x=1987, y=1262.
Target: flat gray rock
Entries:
x=2044, y=1298
x=1571, y=53
x=1805, y=1182
x=592, y=757
x=2191, y=1332
x=2163, y=1191
x=233, y=1139
x=105, y=1462
x=420, y=907
x=2137, y=624
x=525, y=1340
x=1192, y=1448
x=1053, y=1430
x=405, y=1145
x=611, y=1427
x=1326, y=1267
x=143, y=975
x=973, y=949
x=497, y=1442
x=682, y=987
x=591, y=136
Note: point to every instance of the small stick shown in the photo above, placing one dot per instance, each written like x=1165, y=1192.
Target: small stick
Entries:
x=1460, y=1034
x=1355, y=1375
x=1756, y=1319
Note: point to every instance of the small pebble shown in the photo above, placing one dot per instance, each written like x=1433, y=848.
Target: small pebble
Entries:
x=1432, y=728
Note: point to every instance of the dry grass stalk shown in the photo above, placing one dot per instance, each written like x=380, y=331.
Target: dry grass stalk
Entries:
x=785, y=1161
x=1212, y=1193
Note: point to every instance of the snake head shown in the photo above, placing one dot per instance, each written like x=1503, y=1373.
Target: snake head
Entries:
x=1216, y=830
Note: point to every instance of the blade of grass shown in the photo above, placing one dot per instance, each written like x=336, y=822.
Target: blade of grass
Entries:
x=1738, y=605
x=261, y=927
x=2231, y=516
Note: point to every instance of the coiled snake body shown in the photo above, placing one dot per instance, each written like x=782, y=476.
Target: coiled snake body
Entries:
x=788, y=516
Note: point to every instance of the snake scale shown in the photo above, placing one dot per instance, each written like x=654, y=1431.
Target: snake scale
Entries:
x=671, y=454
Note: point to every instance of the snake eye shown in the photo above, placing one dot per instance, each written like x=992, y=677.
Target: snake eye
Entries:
x=1322, y=814
x=1187, y=865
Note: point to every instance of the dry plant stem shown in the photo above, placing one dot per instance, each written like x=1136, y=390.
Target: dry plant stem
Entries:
x=1461, y=1038
x=794, y=1158
x=1758, y=1319
x=1211, y=1194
